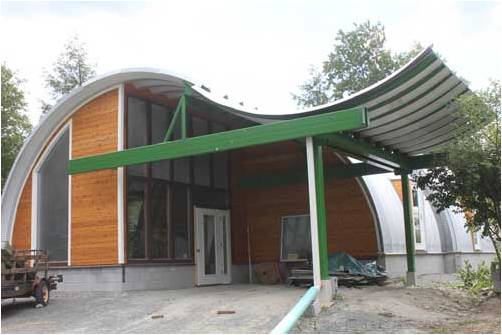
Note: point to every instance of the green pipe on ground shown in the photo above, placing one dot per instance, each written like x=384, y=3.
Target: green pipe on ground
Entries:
x=289, y=321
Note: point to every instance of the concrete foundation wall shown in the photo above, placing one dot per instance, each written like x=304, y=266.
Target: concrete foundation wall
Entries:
x=166, y=277
x=395, y=264
x=136, y=277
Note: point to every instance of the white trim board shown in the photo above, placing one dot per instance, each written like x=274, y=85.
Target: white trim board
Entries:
x=120, y=177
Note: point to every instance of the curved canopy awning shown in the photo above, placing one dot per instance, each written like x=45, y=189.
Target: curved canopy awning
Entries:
x=399, y=121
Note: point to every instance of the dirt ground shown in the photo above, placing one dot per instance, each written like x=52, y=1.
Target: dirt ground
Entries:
x=395, y=308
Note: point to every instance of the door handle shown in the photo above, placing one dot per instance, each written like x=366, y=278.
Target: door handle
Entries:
x=198, y=250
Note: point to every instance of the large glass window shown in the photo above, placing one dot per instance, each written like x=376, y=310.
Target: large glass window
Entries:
x=181, y=219
x=201, y=163
x=295, y=242
x=161, y=195
x=158, y=232
x=136, y=194
x=52, y=207
x=137, y=130
x=160, y=122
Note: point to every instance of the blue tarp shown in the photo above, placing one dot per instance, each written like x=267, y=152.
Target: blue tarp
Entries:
x=342, y=262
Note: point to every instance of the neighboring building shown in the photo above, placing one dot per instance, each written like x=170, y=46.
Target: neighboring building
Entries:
x=202, y=218
x=442, y=243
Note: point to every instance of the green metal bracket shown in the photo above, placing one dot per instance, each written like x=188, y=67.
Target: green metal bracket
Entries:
x=170, y=129
x=181, y=108
x=349, y=119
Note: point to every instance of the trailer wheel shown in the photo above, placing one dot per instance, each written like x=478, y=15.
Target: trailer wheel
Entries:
x=41, y=294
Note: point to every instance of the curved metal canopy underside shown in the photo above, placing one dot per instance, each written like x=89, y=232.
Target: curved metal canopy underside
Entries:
x=411, y=112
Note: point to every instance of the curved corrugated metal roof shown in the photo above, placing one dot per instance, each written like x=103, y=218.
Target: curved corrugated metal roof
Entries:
x=411, y=111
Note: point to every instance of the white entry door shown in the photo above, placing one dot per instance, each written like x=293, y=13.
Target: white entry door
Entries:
x=212, y=246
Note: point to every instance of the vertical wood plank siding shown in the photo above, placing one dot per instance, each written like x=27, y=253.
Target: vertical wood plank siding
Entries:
x=350, y=223
x=21, y=236
x=398, y=187
x=94, y=195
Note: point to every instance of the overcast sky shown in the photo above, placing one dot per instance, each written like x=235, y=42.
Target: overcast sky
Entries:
x=255, y=51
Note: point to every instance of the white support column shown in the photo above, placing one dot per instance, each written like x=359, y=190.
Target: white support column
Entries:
x=120, y=177
x=316, y=266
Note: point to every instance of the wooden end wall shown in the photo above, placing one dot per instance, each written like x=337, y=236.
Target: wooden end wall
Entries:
x=350, y=223
x=21, y=236
x=94, y=218
x=94, y=238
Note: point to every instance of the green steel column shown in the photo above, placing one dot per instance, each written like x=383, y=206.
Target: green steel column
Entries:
x=183, y=117
x=408, y=222
x=321, y=211
x=184, y=104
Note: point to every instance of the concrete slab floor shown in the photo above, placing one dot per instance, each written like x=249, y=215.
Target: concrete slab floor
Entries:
x=258, y=308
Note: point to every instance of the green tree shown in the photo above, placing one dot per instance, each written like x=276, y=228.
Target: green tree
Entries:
x=471, y=180
x=15, y=124
x=71, y=69
x=359, y=59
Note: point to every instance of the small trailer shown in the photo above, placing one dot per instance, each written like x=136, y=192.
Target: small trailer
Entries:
x=25, y=274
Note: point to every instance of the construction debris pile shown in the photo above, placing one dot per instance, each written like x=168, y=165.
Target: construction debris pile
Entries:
x=348, y=271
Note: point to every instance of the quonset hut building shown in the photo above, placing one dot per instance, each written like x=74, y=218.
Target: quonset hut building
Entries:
x=142, y=179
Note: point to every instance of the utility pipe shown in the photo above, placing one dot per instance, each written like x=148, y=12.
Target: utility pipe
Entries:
x=288, y=322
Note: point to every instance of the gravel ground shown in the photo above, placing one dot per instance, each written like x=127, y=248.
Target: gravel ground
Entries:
x=258, y=308
x=431, y=307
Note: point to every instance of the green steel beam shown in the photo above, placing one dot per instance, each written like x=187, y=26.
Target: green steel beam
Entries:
x=427, y=161
x=382, y=156
x=354, y=118
x=353, y=170
x=273, y=179
x=183, y=117
x=321, y=211
x=408, y=222
x=364, y=150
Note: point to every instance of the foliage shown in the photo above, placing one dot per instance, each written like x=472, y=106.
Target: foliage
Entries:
x=359, y=59
x=471, y=181
x=475, y=280
x=71, y=69
x=15, y=123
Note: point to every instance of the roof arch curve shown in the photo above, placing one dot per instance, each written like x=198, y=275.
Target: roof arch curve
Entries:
x=48, y=125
